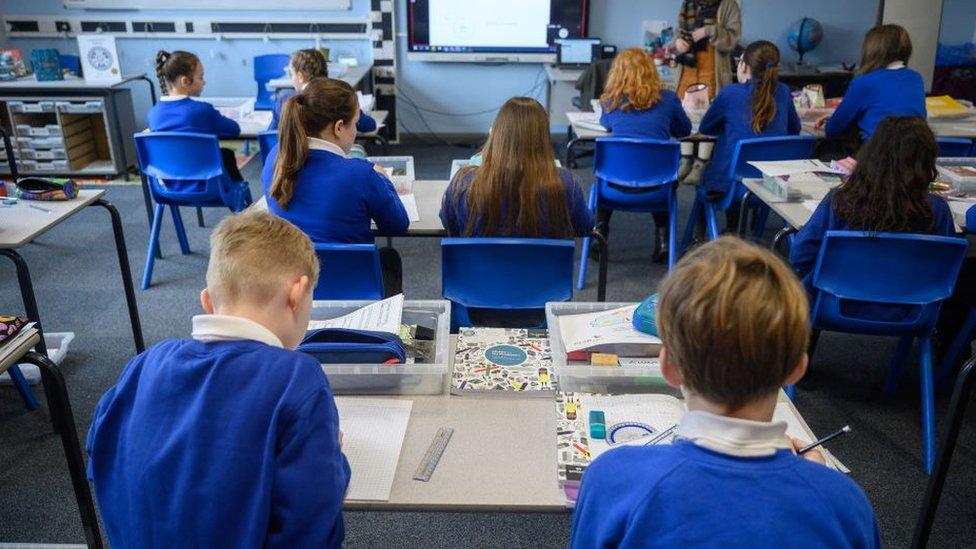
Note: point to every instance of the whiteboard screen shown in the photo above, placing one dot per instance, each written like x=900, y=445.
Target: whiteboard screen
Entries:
x=304, y=5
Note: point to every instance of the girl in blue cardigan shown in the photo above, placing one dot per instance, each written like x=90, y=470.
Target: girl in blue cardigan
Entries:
x=181, y=80
x=310, y=180
x=885, y=85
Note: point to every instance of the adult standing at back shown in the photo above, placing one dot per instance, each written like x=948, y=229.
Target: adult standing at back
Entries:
x=708, y=31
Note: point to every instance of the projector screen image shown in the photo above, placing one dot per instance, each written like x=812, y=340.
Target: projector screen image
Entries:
x=493, y=26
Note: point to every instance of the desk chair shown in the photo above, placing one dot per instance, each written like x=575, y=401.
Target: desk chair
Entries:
x=349, y=271
x=961, y=395
x=267, y=68
x=516, y=275
x=954, y=147
x=71, y=63
x=710, y=200
x=634, y=175
x=266, y=141
x=875, y=284
x=184, y=169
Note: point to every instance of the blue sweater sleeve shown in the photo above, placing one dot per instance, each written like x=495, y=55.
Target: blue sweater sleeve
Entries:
x=848, y=112
x=366, y=123
x=310, y=478
x=714, y=119
x=806, y=243
x=222, y=126
x=680, y=123
x=385, y=207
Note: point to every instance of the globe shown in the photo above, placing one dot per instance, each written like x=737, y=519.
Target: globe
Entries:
x=804, y=35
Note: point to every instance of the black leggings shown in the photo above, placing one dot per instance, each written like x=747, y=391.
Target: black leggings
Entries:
x=603, y=220
x=229, y=158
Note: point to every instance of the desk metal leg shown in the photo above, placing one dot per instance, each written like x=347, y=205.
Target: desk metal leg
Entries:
x=957, y=410
x=121, y=137
x=601, y=288
x=200, y=222
x=130, y=294
x=741, y=229
x=64, y=421
x=571, y=154
x=780, y=235
x=27, y=293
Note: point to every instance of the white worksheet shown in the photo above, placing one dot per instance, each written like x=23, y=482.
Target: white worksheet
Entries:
x=373, y=430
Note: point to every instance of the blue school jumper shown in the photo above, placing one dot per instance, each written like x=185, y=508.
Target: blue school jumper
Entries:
x=219, y=444
x=729, y=119
x=366, y=122
x=683, y=495
x=875, y=95
x=335, y=198
x=807, y=241
x=454, y=206
x=192, y=116
x=663, y=120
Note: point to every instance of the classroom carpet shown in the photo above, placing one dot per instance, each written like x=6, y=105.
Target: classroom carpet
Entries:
x=76, y=279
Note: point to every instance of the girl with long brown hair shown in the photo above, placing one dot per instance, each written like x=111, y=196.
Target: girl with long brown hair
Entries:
x=635, y=104
x=180, y=76
x=759, y=106
x=309, y=180
x=303, y=66
x=887, y=192
x=517, y=190
x=885, y=86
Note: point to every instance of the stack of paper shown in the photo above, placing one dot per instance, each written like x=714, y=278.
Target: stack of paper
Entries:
x=607, y=332
x=382, y=316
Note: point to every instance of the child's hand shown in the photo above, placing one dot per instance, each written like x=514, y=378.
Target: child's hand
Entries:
x=821, y=122
x=814, y=455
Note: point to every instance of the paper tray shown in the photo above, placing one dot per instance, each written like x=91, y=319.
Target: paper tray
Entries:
x=403, y=379
x=583, y=378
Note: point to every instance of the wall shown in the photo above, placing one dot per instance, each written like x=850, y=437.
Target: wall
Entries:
x=958, y=22
x=430, y=92
x=922, y=20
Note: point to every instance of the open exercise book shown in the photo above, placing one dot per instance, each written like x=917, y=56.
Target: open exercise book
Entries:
x=607, y=332
x=634, y=420
x=503, y=362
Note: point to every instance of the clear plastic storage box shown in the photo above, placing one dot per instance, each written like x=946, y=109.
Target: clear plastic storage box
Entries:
x=595, y=379
x=399, y=379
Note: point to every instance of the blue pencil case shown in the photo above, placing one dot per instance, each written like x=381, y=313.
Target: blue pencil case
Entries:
x=343, y=346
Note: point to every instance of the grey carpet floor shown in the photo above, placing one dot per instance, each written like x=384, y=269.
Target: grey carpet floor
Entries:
x=77, y=282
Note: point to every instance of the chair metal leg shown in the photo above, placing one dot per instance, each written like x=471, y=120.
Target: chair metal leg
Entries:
x=601, y=287
x=27, y=294
x=741, y=229
x=928, y=404
x=696, y=212
x=123, y=252
x=60, y=409
x=153, y=243
x=674, y=252
x=20, y=383
x=780, y=235
x=947, y=446
x=951, y=357
x=893, y=378
x=711, y=224
x=200, y=221
x=180, y=229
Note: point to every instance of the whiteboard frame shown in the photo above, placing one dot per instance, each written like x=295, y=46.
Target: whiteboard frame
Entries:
x=235, y=5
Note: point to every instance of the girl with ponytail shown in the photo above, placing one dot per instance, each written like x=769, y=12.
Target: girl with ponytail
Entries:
x=759, y=106
x=180, y=76
x=310, y=181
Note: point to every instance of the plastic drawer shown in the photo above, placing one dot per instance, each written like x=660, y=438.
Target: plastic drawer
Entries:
x=41, y=142
x=33, y=106
x=80, y=107
x=400, y=379
x=584, y=378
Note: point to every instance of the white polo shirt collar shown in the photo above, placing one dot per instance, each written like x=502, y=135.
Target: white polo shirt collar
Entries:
x=733, y=436
x=229, y=328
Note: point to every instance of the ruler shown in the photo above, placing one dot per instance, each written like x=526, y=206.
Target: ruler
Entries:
x=433, y=454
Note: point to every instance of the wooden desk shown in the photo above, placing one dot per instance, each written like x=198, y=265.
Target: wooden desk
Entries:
x=22, y=224
x=501, y=458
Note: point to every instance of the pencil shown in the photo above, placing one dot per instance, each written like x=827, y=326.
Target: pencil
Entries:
x=36, y=207
x=831, y=436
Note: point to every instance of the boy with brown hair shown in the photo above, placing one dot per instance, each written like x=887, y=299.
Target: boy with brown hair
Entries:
x=735, y=325
x=230, y=438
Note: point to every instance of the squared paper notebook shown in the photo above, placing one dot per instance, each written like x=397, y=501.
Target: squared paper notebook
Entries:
x=503, y=362
x=373, y=431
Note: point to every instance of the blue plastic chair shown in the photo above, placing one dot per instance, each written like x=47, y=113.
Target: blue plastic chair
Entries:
x=349, y=271
x=267, y=68
x=954, y=147
x=889, y=284
x=266, y=141
x=23, y=388
x=184, y=169
x=707, y=205
x=72, y=63
x=504, y=274
x=965, y=335
x=634, y=175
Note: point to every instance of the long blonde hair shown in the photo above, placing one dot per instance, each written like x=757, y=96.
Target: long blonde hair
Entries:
x=633, y=82
x=517, y=189
x=321, y=104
